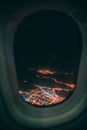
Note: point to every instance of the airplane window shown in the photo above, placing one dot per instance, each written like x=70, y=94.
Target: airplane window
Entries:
x=47, y=49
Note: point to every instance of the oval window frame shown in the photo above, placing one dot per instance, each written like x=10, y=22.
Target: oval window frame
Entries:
x=23, y=113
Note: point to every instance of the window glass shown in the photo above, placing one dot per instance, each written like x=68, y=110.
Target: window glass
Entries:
x=47, y=49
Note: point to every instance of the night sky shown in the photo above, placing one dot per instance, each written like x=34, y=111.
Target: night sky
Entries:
x=47, y=39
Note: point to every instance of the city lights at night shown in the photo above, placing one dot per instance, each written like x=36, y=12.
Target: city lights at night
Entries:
x=45, y=95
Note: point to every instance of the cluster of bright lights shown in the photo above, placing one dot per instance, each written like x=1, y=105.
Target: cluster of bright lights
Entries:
x=44, y=95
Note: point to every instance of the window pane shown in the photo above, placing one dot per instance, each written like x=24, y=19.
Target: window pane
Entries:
x=47, y=49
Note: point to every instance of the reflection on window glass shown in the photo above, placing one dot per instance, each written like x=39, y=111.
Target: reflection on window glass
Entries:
x=47, y=49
